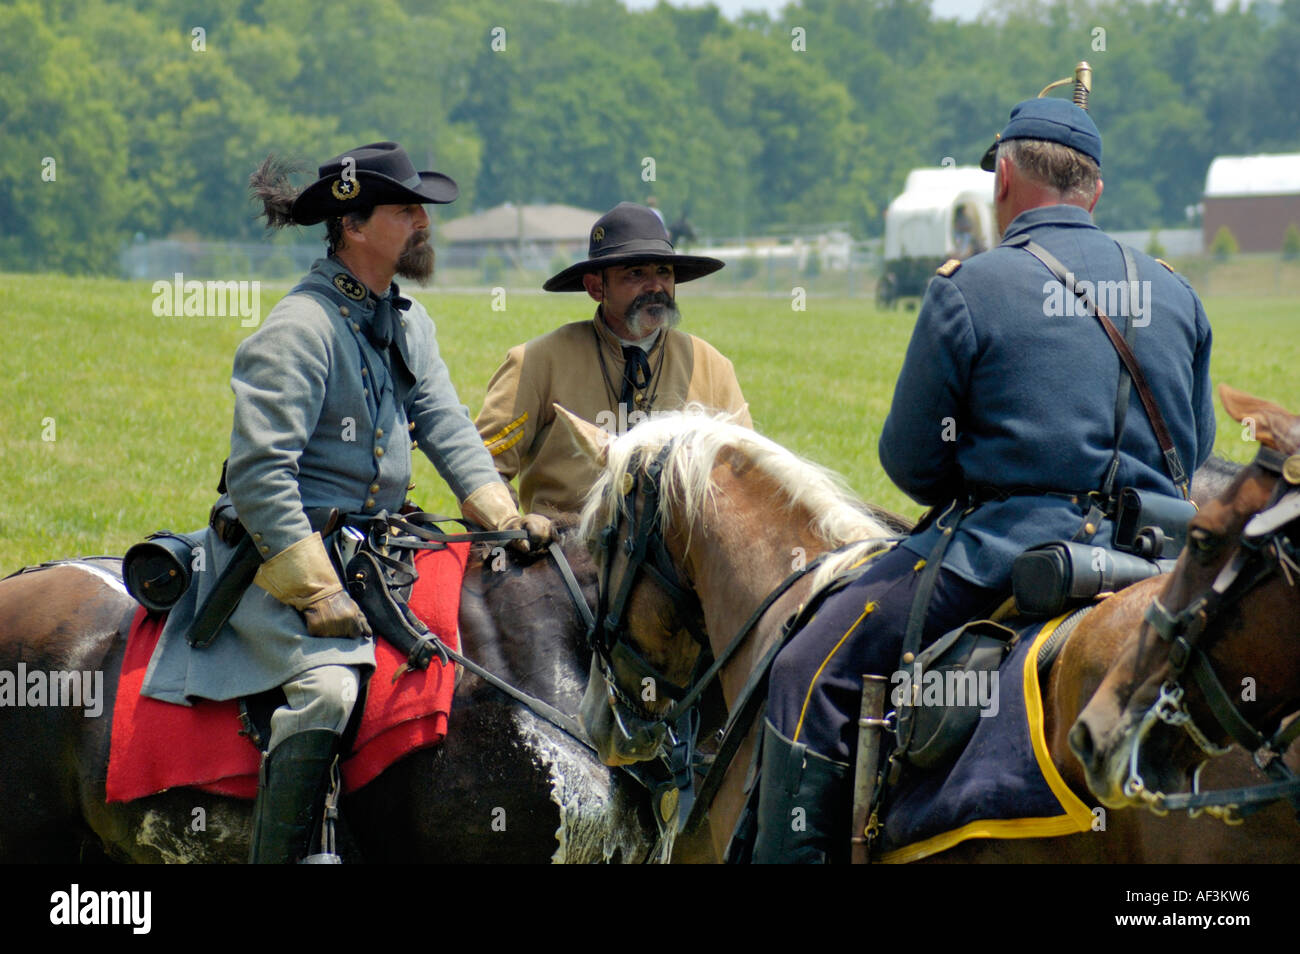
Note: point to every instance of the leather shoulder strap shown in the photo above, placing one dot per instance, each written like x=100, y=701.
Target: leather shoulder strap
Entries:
x=1172, y=461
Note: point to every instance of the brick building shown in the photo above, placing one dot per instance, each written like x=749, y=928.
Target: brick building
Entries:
x=1256, y=197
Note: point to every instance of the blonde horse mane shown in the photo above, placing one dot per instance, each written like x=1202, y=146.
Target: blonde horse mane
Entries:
x=696, y=438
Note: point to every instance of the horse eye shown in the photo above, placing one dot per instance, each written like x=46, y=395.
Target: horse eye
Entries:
x=1203, y=542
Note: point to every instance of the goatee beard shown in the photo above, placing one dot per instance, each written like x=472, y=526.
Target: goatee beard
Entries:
x=636, y=318
x=416, y=260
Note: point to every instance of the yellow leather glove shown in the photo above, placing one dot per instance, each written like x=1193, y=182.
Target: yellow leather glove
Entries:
x=302, y=576
x=491, y=506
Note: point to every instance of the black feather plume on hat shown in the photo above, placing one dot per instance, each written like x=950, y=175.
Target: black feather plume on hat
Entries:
x=270, y=185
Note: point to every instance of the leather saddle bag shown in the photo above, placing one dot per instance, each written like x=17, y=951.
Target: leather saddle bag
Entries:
x=158, y=570
x=1047, y=580
x=964, y=659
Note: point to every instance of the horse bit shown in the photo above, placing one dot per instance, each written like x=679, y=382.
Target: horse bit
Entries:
x=1264, y=549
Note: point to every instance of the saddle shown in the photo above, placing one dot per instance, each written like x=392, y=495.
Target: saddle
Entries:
x=158, y=745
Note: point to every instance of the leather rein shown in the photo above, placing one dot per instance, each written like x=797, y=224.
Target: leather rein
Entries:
x=1263, y=550
x=422, y=534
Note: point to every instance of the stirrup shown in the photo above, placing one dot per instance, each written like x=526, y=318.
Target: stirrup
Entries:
x=292, y=783
x=328, y=854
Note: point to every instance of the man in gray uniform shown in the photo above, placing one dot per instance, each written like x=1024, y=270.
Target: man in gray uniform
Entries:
x=332, y=392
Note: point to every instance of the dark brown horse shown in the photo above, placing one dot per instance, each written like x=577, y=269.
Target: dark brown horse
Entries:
x=1222, y=638
x=737, y=514
x=504, y=785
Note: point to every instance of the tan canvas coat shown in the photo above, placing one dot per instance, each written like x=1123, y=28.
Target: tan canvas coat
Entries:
x=565, y=367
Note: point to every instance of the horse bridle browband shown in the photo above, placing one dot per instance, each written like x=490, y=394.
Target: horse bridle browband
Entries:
x=1264, y=549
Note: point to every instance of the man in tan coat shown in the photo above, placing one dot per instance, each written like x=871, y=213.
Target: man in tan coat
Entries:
x=614, y=370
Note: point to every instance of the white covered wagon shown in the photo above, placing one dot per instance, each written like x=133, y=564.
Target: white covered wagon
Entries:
x=942, y=213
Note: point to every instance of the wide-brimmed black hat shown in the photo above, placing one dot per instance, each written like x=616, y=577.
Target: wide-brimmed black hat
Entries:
x=631, y=233
x=381, y=173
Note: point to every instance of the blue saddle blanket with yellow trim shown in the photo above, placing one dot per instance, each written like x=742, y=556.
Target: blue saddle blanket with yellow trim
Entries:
x=1003, y=785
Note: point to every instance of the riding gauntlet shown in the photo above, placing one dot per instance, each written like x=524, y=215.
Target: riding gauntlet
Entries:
x=492, y=507
x=302, y=576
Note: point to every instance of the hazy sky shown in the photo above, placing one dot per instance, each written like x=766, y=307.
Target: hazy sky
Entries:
x=960, y=9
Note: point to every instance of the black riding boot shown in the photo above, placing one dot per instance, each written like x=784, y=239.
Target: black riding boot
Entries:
x=291, y=788
x=804, y=805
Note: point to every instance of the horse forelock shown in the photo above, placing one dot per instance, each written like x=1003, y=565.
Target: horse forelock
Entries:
x=695, y=439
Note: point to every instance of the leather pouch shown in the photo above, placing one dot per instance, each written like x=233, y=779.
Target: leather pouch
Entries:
x=937, y=734
x=1151, y=525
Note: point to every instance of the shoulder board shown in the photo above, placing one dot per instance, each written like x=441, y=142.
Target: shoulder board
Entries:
x=1165, y=264
x=948, y=267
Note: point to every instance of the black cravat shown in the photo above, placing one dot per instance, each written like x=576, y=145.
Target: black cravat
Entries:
x=636, y=375
x=386, y=324
x=388, y=336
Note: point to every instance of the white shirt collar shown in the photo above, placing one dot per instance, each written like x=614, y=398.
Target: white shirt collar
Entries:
x=645, y=344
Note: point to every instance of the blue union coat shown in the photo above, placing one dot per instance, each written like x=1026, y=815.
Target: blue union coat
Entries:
x=317, y=423
x=1000, y=389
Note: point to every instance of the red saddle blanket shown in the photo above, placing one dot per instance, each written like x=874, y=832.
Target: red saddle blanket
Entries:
x=159, y=745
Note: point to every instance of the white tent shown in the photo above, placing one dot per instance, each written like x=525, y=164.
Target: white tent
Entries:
x=919, y=223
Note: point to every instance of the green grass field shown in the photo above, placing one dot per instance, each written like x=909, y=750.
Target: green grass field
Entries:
x=115, y=422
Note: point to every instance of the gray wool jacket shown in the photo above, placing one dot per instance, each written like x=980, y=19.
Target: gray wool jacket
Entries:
x=321, y=419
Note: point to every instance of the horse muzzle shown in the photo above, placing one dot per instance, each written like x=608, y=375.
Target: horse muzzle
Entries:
x=1105, y=767
x=620, y=736
x=1127, y=764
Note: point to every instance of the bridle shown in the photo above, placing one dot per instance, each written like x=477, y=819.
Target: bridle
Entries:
x=1263, y=550
x=648, y=553
x=671, y=733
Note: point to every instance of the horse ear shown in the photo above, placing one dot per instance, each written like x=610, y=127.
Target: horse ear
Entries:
x=592, y=440
x=1273, y=426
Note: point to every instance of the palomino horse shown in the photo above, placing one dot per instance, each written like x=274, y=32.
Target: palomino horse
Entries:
x=736, y=513
x=1228, y=618
x=504, y=785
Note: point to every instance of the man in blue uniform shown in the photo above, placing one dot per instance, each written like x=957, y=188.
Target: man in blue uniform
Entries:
x=1006, y=403
x=332, y=392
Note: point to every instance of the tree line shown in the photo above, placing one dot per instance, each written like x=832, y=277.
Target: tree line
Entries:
x=146, y=120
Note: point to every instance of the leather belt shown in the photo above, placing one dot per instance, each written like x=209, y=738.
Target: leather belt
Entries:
x=984, y=493
x=225, y=524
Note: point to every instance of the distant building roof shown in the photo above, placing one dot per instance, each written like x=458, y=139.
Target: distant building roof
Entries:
x=1253, y=175
x=554, y=223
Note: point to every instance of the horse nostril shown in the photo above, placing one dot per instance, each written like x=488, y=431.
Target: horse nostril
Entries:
x=1081, y=743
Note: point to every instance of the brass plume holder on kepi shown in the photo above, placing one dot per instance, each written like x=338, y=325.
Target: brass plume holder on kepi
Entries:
x=1082, y=84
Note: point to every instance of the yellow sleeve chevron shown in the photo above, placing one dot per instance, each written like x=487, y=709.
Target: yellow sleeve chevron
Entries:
x=506, y=430
x=501, y=449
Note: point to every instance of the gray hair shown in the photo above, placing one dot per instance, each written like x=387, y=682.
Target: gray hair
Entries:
x=334, y=227
x=1055, y=165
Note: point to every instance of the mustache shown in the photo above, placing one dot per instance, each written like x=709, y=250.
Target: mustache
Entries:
x=636, y=316
x=651, y=298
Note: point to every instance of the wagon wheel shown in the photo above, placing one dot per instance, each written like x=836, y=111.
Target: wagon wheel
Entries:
x=886, y=290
